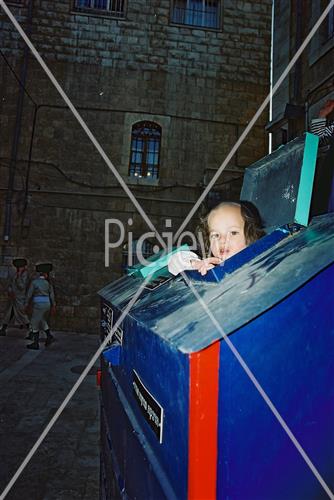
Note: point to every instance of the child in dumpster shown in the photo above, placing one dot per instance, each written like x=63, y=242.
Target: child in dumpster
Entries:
x=227, y=229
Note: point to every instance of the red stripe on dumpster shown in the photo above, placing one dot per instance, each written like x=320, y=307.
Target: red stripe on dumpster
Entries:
x=203, y=418
x=98, y=378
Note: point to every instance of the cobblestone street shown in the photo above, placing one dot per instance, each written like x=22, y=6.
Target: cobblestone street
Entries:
x=32, y=386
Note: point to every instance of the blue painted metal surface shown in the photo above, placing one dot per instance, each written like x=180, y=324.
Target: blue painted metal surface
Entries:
x=275, y=301
x=280, y=184
x=278, y=311
x=148, y=468
x=112, y=354
x=290, y=351
x=241, y=295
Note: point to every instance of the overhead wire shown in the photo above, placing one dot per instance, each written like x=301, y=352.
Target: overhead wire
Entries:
x=17, y=78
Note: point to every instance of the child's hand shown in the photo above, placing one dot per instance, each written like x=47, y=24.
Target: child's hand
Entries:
x=203, y=266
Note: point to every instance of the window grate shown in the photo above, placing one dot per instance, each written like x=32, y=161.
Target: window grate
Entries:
x=202, y=13
x=112, y=7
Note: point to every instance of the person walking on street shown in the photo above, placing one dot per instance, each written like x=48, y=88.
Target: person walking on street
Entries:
x=17, y=291
x=41, y=293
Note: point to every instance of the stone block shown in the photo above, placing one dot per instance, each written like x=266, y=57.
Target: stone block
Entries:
x=198, y=33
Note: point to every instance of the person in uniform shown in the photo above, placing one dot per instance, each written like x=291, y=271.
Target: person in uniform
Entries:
x=41, y=293
x=17, y=291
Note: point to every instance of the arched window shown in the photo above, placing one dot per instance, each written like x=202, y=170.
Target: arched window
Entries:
x=145, y=150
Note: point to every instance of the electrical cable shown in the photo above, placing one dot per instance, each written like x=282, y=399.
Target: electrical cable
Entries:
x=99, y=186
x=142, y=188
x=17, y=78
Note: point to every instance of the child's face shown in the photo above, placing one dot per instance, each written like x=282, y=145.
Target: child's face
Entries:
x=226, y=231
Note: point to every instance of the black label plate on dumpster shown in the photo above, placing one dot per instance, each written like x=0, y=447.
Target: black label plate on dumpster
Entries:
x=107, y=324
x=149, y=406
x=107, y=319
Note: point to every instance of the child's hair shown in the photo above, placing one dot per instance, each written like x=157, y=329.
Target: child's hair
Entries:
x=253, y=228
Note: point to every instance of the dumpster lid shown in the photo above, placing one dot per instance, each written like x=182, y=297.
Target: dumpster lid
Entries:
x=280, y=184
x=173, y=312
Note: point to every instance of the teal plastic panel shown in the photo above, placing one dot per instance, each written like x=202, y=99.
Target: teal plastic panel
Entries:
x=306, y=179
x=156, y=263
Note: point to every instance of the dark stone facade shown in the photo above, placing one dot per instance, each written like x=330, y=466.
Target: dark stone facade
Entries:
x=202, y=86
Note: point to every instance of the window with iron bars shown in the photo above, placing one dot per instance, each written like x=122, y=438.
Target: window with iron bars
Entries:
x=145, y=150
x=203, y=13
x=114, y=8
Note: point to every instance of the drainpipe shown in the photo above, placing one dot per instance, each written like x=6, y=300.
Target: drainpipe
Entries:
x=17, y=131
x=271, y=82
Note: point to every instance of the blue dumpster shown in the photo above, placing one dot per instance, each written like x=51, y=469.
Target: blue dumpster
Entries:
x=180, y=417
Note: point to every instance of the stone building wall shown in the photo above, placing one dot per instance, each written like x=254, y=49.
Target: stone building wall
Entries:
x=311, y=82
x=202, y=86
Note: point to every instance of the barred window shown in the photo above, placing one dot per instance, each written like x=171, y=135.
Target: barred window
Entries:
x=203, y=13
x=113, y=7
x=145, y=150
